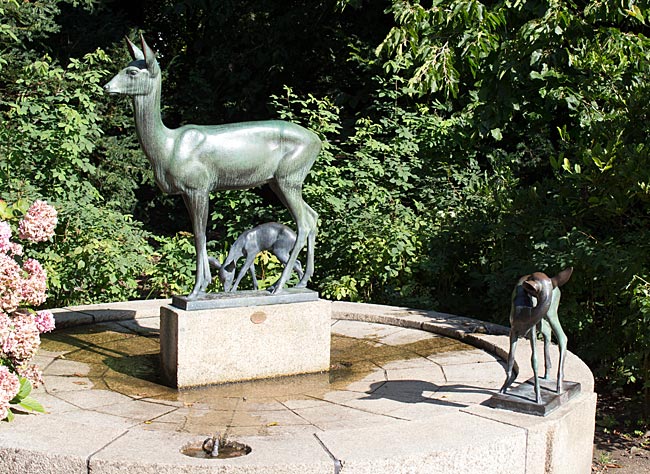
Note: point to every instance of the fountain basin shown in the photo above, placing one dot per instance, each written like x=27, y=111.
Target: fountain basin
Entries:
x=411, y=402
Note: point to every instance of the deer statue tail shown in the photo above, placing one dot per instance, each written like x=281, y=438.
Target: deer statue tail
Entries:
x=539, y=286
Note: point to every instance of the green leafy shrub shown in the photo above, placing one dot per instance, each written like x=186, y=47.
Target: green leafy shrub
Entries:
x=98, y=255
x=174, y=262
x=52, y=146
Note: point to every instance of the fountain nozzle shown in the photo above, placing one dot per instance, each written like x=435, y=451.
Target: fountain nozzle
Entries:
x=211, y=445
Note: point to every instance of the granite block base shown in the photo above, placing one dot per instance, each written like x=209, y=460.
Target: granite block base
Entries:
x=213, y=346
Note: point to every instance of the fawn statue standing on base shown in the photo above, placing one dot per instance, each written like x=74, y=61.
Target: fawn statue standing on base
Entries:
x=272, y=236
x=535, y=300
x=194, y=160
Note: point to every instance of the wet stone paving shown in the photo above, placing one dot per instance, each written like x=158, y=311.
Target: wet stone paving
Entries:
x=379, y=374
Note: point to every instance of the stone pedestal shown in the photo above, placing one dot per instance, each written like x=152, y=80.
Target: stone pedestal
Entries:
x=522, y=398
x=222, y=345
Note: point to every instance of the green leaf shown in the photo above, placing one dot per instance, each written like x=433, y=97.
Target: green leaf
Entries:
x=534, y=57
x=6, y=212
x=31, y=404
x=496, y=133
x=25, y=390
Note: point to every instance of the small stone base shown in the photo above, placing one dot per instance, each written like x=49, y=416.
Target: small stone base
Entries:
x=244, y=298
x=522, y=398
x=206, y=347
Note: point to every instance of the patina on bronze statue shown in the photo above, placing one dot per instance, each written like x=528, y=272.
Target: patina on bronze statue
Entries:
x=194, y=160
x=273, y=237
x=535, y=300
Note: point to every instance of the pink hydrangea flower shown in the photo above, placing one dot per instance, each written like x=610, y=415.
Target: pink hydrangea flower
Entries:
x=34, y=287
x=9, y=387
x=44, y=321
x=6, y=245
x=9, y=383
x=39, y=223
x=32, y=373
x=20, y=328
x=5, y=329
x=24, y=338
x=15, y=249
x=5, y=237
x=11, y=284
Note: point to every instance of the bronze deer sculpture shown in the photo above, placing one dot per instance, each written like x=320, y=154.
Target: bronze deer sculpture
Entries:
x=272, y=236
x=535, y=300
x=194, y=160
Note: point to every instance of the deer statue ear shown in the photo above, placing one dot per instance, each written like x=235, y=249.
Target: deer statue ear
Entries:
x=136, y=53
x=562, y=277
x=150, y=58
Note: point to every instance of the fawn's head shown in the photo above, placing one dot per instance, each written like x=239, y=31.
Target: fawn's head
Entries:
x=141, y=75
x=227, y=275
x=226, y=272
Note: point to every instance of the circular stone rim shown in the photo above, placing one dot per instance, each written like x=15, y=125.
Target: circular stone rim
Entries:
x=500, y=441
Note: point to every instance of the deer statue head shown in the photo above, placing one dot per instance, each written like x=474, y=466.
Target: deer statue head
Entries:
x=140, y=76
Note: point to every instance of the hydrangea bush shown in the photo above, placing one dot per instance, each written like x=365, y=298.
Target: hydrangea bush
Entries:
x=23, y=284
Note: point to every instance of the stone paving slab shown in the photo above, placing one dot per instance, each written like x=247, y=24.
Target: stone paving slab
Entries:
x=467, y=357
x=61, y=384
x=363, y=330
x=53, y=404
x=475, y=372
x=67, y=368
x=401, y=399
x=431, y=447
x=91, y=399
x=569, y=430
x=131, y=453
x=37, y=444
x=432, y=374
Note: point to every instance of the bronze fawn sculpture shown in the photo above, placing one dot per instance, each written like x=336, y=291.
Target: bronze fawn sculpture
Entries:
x=272, y=236
x=194, y=160
x=535, y=300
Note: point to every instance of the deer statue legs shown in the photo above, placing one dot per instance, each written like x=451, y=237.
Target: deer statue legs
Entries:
x=551, y=324
x=532, y=335
x=306, y=220
x=535, y=300
x=197, y=204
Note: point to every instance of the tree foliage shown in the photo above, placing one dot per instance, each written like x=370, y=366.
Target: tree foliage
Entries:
x=556, y=96
x=52, y=146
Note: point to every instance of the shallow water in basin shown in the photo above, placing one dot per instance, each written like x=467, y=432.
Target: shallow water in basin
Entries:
x=123, y=358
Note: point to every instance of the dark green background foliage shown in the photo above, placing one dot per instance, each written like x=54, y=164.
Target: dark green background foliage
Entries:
x=465, y=144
